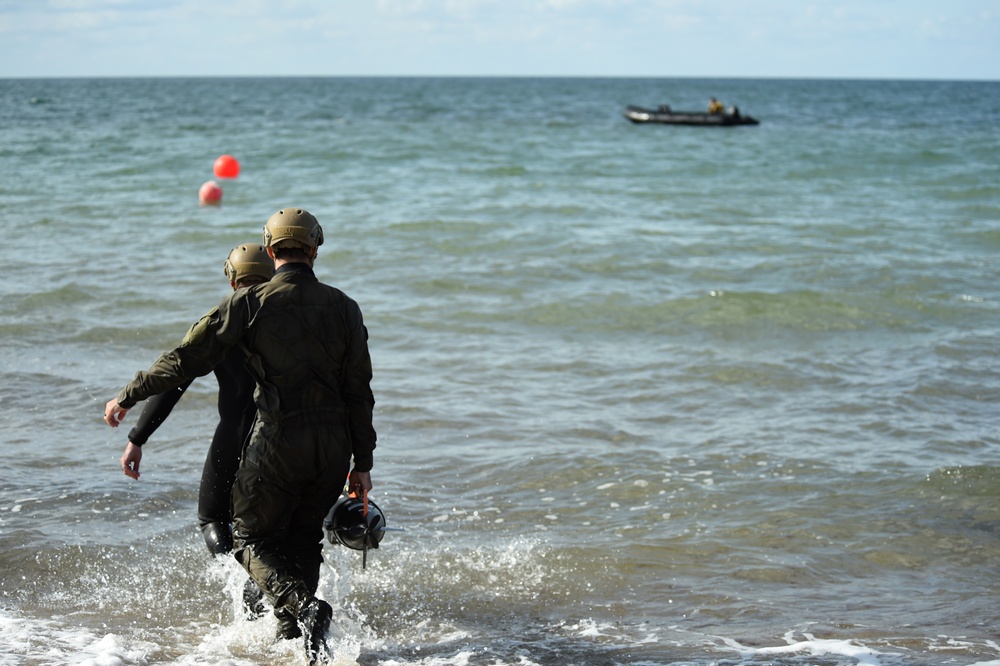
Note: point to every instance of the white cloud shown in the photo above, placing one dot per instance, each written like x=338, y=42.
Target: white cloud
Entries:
x=889, y=38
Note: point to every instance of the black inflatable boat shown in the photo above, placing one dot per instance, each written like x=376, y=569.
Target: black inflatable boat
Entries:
x=665, y=116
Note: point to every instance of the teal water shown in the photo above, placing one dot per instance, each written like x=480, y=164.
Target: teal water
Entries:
x=646, y=394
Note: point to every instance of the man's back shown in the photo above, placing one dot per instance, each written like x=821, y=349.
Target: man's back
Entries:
x=308, y=350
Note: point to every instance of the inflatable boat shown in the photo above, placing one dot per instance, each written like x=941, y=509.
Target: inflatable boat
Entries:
x=663, y=115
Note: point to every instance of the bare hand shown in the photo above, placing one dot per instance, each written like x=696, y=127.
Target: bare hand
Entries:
x=130, y=460
x=359, y=482
x=114, y=413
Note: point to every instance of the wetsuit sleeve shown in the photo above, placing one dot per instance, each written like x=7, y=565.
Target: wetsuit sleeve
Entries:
x=154, y=413
x=357, y=392
x=202, y=349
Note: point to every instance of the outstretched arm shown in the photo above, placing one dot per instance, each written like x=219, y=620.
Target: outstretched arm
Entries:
x=155, y=411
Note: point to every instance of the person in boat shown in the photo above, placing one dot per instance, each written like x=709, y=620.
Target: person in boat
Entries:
x=715, y=107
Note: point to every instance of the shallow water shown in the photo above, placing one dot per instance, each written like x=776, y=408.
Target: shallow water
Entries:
x=646, y=395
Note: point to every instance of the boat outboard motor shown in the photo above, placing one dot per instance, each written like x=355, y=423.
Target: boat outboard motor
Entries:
x=355, y=522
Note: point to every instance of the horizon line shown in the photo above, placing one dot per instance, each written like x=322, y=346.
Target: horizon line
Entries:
x=499, y=76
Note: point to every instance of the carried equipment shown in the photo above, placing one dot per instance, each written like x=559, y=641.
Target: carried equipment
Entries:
x=356, y=522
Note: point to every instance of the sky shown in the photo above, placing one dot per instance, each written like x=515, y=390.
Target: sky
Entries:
x=880, y=39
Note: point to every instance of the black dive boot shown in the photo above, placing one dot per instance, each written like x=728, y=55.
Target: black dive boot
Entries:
x=288, y=626
x=315, y=623
x=218, y=538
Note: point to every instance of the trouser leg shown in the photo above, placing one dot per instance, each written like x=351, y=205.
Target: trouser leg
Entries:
x=286, y=484
x=215, y=491
x=265, y=557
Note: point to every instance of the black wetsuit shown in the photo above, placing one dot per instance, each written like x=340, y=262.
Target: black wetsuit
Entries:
x=236, y=416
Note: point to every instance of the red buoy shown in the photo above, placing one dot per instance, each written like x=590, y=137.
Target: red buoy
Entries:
x=210, y=193
x=226, y=166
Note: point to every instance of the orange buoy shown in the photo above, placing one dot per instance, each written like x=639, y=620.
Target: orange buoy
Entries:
x=210, y=193
x=226, y=166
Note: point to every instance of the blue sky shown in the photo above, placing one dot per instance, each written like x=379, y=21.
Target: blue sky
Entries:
x=911, y=39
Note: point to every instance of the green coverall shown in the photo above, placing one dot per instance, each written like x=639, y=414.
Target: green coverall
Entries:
x=307, y=348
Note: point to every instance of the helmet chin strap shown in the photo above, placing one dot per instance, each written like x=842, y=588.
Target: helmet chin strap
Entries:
x=364, y=514
x=364, y=499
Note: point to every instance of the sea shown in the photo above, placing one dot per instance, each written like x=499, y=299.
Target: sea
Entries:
x=646, y=395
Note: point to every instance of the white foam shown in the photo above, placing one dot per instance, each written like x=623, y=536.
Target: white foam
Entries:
x=234, y=642
x=589, y=628
x=56, y=642
x=460, y=659
x=815, y=647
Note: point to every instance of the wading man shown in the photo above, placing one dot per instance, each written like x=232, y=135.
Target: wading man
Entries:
x=307, y=348
x=248, y=264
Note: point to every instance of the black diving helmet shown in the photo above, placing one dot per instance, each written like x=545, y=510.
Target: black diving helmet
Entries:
x=356, y=523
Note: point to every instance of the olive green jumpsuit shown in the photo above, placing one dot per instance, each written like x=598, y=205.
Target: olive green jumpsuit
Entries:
x=307, y=348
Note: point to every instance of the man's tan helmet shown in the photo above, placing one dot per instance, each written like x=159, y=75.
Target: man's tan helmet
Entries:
x=293, y=227
x=247, y=260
